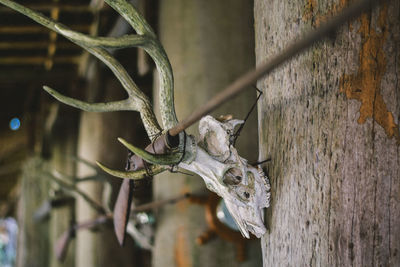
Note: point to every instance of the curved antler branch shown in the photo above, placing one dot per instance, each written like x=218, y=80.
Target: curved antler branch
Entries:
x=91, y=107
x=125, y=41
x=130, y=14
x=134, y=175
x=159, y=159
x=152, y=46
x=157, y=53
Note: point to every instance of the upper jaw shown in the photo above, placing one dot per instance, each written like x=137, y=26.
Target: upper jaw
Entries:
x=247, y=213
x=248, y=219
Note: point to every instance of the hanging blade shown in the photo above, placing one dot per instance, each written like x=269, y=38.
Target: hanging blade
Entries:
x=122, y=209
x=124, y=200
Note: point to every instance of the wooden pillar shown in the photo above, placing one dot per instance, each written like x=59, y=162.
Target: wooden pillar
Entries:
x=33, y=238
x=63, y=148
x=329, y=119
x=209, y=43
x=98, y=142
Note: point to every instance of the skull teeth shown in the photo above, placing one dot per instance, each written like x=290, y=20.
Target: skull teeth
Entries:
x=265, y=179
x=267, y=186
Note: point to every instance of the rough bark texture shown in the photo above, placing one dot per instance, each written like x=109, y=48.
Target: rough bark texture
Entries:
x=329, y=119
x=209, y=43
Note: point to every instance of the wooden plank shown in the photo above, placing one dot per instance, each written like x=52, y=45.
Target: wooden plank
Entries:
x=51, y=49
x=35, y=45
x=48, y=7
x=9, y=29
x=34, y=60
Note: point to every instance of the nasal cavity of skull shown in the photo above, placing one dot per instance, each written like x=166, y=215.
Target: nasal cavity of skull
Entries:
x=233, y=176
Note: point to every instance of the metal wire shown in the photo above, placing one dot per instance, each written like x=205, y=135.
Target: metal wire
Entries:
x=267, y=67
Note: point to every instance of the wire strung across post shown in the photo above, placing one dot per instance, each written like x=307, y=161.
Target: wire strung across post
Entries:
x=237, y=134
x=267, y=67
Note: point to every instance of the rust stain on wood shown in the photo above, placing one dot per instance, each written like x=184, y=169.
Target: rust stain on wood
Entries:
x=365, y=85
x=181, y=252
x=336, y=8
x=309, y=10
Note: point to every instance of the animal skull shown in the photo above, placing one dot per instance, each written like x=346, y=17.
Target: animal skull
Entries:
x=244, y=188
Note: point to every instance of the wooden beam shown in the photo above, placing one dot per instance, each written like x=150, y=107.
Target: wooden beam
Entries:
x=63, y=7
x=38, y=29
x=36, y=45
x=51, y=49
x=9, y=169
x=7, y=79
x=32, y=60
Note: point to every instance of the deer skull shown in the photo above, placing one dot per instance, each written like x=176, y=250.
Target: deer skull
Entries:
x=243, y=187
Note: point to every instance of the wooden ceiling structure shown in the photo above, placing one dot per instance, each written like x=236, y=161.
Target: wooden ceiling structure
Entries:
x=25, y=43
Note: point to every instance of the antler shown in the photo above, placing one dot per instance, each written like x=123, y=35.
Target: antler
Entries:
x=214, y=159
x=137, y=101
x=146, y=39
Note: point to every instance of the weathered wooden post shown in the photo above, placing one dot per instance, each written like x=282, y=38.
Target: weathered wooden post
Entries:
x=95, y=142
x=329, y=119
x=209, y=44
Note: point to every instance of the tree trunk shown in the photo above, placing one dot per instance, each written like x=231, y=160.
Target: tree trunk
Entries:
x=329, y=119
x=209, y=43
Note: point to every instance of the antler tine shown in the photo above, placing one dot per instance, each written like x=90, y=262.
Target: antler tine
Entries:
x=125, y=41
x=130, y=14
x=134, y=175
x=161, y=159
x=93, y=107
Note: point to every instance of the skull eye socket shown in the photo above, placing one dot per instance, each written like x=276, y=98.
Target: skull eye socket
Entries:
x=232, y=177
x=243, y=193
x=251, y=178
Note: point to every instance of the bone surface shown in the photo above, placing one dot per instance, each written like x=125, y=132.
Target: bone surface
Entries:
x=216, y=161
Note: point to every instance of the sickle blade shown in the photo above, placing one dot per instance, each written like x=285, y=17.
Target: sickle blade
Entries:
x=122, y=209
x=122, y=206
x=62, y=244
